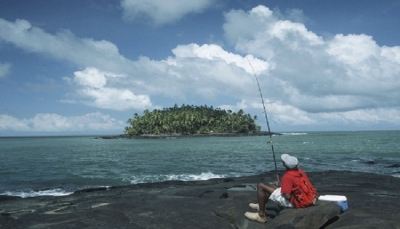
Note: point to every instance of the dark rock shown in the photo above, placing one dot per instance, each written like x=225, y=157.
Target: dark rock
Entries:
x=370, y=162
x=393, y=166
x=224, y=195
x=374, y=202
x=321, y=215
x=176, y=135
x=3, y=197
x=91, y=190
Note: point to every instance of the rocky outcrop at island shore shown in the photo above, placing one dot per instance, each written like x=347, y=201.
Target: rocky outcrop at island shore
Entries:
x=374, y=202
x=158, y=136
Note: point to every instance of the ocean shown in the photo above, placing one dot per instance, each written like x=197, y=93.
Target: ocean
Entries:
x=36, y=166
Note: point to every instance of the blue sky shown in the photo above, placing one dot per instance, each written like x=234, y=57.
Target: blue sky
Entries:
x=86, y=66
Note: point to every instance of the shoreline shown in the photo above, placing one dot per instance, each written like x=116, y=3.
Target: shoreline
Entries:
x=58, y=191
x=162, y=136
x=216, y=203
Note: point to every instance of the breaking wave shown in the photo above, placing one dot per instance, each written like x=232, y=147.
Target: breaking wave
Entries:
x=292, y=134
x=32, y=193
x=170, y=177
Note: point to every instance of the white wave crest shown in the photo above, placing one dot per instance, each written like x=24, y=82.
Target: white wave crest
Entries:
x=294, y=133
x=169, y=177
x=31, y=193
x=396, y=175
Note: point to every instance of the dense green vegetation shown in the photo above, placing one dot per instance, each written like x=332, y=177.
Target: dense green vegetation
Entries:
x=188, y=120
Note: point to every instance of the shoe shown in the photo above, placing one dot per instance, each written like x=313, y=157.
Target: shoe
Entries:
x=254, y=206
x=255, y=217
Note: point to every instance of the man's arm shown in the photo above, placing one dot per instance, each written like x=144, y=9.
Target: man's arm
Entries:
x=286, y=187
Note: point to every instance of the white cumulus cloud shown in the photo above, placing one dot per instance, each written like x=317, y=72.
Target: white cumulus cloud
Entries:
x=313, y=73
x=48, y=122
x=306, y=79
x=162, y=11
x=92, y=86
x=63, y=45
x=10, y=123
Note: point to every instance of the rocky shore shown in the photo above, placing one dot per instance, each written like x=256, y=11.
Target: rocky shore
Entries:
x=177, y=135
x=374, y=202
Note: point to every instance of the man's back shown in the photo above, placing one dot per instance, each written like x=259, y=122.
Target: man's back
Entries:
x=296, y=183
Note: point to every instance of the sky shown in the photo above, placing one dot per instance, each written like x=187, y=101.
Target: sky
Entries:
x=82, y=67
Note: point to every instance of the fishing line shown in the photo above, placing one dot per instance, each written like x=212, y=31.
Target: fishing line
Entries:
x=266, y=119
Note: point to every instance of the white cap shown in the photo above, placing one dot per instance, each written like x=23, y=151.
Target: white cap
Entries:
x=290, y=161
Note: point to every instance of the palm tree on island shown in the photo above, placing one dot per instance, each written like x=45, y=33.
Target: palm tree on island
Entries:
x=191, y=120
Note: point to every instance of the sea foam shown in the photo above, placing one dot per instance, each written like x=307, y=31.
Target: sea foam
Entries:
x=169, y=177
x=32, y=193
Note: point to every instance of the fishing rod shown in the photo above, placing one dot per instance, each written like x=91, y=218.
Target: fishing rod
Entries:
x=266, y=119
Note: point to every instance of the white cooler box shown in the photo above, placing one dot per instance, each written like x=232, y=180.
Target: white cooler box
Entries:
x=339, y=200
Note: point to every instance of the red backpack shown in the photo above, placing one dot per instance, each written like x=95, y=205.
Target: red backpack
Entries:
x=305, y=194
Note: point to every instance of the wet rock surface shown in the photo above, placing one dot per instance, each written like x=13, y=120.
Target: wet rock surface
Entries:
x=374, y=202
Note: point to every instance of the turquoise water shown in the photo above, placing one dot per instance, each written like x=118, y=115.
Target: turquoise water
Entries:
x=31, y=166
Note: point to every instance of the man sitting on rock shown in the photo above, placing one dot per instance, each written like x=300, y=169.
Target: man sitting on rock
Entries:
x=295, y=191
